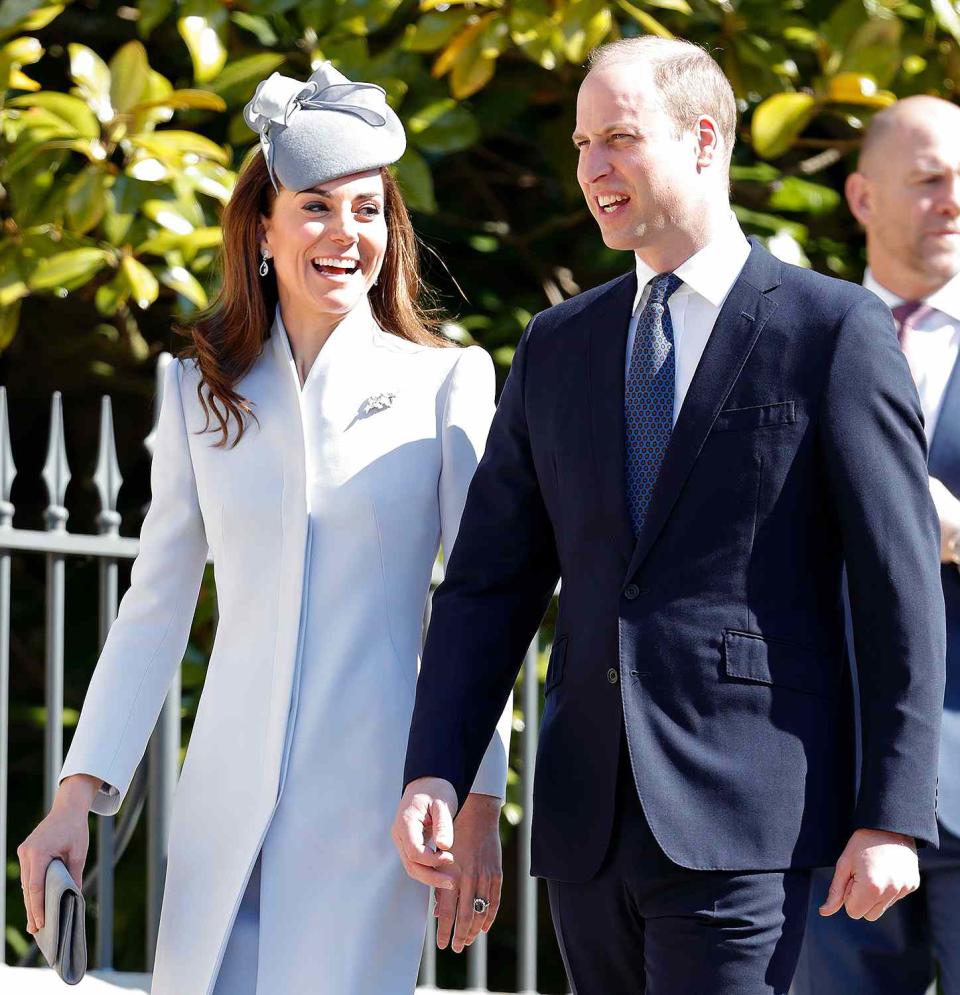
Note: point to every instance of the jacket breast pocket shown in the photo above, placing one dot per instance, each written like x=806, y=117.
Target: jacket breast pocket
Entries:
x=751, y=658
x=759, y=416
x=558, y=657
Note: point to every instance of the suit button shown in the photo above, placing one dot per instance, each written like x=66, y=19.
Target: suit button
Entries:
x=631, y=592
x=612, y=675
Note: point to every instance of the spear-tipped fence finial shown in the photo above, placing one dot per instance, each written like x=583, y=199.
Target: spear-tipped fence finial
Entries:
x=8, y=469
x=107, y=476
x=56, y=469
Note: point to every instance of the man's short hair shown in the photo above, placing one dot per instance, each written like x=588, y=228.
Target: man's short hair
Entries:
x=688, y=80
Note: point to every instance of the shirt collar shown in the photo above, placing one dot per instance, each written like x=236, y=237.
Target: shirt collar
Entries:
x=712, y=271
x=946, y=300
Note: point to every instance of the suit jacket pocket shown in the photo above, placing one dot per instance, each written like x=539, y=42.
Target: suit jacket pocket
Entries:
x=749, y=657
x=760, y=416
x=558, y=657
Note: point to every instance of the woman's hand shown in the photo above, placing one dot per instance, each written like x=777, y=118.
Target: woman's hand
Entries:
x=476, y=849
x=64, y=833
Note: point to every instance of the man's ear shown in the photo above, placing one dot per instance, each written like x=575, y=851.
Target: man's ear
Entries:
x=709, y=143
x=857, y=190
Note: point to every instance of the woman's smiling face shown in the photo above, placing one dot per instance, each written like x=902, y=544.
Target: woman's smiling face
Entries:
x=327, y=245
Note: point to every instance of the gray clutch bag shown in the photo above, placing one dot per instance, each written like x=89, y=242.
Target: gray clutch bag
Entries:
x=63, y=938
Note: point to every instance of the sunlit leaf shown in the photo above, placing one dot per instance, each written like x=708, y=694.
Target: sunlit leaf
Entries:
x=86, y=199
x=72, y=112
x=198, y=100
x=853, y=88
x=362, y=17
x=129, y=76
x=167, y=214
x=152, y=13
x=110, y=296
x=68, y=270
x=211, y=179
x=442, y=127
x=948, y=16
x=27, y=15
x=144, y=286
x=237, y=81
x=178, y=146
x=14, y=54
x=645, y=20
x=459, y=44
x=585, y=24
x=9, y=323
x=180, y=279
x=793, y=193
x=434, y=30
x=259, y=27
x=416, y=181
x=779, y=120
x=207, y=51
x=92, y=77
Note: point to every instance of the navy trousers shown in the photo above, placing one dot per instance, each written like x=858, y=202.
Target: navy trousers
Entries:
x=645, y=925
x=899, y=954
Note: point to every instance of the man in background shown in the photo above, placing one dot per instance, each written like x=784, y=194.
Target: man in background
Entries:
x=906, y=194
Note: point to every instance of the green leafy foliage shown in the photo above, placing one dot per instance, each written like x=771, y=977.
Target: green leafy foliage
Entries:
x=121, y=133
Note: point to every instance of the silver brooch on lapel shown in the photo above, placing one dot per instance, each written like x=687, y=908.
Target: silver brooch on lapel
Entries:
x=378, y=402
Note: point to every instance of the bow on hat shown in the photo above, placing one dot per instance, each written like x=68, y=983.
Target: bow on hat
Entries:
x=279, y=98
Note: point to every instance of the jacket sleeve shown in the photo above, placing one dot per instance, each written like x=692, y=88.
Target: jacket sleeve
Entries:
x=468, y=411
x=499, y=580
x=147, y=640
x=875, y=452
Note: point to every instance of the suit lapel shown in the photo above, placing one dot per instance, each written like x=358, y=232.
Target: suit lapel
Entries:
x=944, y=458
x=609, y=323
x=734, y=335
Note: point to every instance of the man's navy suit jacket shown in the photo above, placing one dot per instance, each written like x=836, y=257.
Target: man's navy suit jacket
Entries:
x=944, y=464
x=717, y=636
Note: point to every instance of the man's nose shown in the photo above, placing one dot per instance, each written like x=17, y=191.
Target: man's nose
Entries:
x=950, y=204
x=594, y=164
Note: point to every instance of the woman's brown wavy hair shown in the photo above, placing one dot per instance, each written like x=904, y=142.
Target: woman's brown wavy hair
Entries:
x=228, y=336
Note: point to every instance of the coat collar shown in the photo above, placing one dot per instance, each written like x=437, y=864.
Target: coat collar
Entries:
x=348, y=342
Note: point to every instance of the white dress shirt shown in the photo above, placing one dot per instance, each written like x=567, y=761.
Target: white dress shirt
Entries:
x=707, y=278
x=932, y=347
x=931, y=351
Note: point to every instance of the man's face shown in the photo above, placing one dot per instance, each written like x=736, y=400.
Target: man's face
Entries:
x=638, y=176
x=910, y=204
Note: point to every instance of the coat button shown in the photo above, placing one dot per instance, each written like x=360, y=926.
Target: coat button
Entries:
x=612, y=675
x=631, y=592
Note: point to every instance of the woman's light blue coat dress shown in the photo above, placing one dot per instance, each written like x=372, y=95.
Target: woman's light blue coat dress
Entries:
x=336, y=501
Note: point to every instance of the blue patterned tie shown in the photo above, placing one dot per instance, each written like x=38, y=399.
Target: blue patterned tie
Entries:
x=648, y=398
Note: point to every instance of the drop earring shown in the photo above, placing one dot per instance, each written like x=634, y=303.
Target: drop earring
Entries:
x=264, y=268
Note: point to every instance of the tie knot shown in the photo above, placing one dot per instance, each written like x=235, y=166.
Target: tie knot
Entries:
x=662, y=286
x=909, y=313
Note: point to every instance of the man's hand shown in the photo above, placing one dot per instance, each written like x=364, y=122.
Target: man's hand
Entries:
x=478, y=861
x=875, y=870
x=423, y=831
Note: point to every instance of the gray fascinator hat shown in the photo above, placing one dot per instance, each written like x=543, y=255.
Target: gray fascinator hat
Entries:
x=314, y=131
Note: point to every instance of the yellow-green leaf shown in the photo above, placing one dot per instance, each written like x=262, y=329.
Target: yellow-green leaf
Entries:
x=86, y=199
x=171, y=146
x=459, y=45
x=129, y=76
x=9, y=323
x=206, y=49
x=168, y=215
x=211, y=179
x=434, y=30
x=779, y=120
x=27, y=16
x=68, y=270
x=471, y=72
x=110, y=296
x=17, y=80
x=75, y=116
x=854, y=88
x=180, y=279
x=645, y=20
x=92, y=77
x=144, y=286
x=179, y=100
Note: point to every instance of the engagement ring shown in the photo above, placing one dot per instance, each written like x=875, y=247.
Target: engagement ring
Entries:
x=480, y=905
